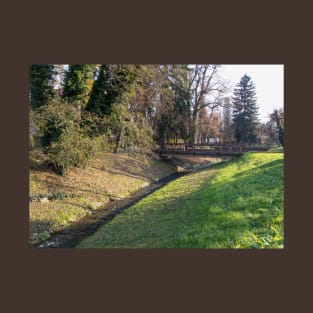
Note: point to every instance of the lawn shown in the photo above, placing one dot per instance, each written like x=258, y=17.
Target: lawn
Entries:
x=236, y=204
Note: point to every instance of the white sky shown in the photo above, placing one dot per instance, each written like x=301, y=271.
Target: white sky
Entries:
x=269, y=83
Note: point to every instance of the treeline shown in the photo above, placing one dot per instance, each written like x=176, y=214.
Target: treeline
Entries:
x=82, y=109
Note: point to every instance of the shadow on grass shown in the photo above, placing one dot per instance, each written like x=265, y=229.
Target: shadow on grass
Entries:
x=71, y=235
x=120, y=172
x=39, y=231
x=233, y=208
x=265, y=168
x=212, y=215
x=203, y=214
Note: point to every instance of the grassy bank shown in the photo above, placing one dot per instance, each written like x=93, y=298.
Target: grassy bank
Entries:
x=57, y=201
x=277, y=149
x=231, y=205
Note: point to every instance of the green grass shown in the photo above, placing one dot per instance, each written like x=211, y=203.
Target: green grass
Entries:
x=47, y=218
x=278, y=149
x=238, y=204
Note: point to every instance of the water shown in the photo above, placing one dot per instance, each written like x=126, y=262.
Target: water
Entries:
x=72, y=235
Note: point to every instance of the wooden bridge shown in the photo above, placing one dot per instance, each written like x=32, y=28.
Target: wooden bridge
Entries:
x=233, y=149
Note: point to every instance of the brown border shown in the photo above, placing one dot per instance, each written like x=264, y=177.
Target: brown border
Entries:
x=154, y=280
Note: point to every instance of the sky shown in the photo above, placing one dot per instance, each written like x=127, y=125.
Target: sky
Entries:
x=269, y=83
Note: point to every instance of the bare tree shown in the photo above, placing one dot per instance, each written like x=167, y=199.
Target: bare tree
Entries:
x=207, y=89
x=179, y=99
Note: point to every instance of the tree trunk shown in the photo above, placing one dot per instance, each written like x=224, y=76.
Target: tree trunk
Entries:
x=280, y=129
x=118, y=141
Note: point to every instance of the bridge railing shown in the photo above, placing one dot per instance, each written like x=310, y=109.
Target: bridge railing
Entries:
x=215, y=147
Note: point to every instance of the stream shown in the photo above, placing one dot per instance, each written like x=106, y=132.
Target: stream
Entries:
x=76, y=232
x=73, y=234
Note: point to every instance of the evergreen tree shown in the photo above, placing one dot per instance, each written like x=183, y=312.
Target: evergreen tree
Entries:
x=41, y=87
x=245, y=111
x=76, y=83
x=112, y=82
x=98, y=101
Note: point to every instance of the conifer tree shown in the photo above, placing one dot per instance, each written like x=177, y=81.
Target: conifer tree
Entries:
x=245, y=111
x=76, y=83
x=112, y=82
x=41, y=87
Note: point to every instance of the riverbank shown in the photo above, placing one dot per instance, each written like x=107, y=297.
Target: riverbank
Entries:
x=77, y=203
x=72, y=235
x=238, y=204
x=56, y=202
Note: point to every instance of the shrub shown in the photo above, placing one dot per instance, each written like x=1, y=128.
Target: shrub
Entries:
x=93, y=124
x=53, y=119
x=100, y=144
x=72, y=149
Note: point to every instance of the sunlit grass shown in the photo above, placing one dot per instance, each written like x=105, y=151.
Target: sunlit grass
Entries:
x=277, y=149
x=231, y=205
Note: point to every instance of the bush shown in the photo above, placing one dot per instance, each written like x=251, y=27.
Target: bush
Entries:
x=72, y=149
x=65, y=141
x=93, y=124
x=53, y=119
x=100, y=144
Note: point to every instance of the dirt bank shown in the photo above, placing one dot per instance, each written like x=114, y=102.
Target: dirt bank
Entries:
x=72, y=235
x=68, y=235
x=57, y=202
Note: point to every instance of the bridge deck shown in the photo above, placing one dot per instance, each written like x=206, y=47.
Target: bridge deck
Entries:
x=211, y=149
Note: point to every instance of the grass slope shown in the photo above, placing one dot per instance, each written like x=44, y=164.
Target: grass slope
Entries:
x=231, y=205
x=80, y=191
